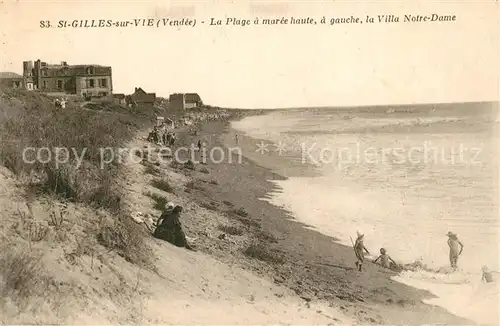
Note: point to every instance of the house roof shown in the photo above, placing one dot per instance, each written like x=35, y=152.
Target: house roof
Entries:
x=58, y=66
x=145, y=98
x=120, y=96
x=176, y=96
x=139, y=90
x=141, y=96
x=8, y=74
x=192, y=98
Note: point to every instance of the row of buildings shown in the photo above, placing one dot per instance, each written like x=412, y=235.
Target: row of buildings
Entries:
x=83, y=80
x=87, y=81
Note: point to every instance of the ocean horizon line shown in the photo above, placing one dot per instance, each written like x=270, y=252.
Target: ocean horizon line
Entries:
x=316, y=107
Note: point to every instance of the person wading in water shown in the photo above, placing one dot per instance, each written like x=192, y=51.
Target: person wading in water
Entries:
x=454, y=243
x=385, y=260
x=487, y=276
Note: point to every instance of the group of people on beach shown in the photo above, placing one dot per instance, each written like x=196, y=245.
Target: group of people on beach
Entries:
x=60, y=103
x=359, y=250
x=162, y=137
x=455, y=245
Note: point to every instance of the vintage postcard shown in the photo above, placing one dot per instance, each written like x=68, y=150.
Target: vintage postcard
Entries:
x=249, y=162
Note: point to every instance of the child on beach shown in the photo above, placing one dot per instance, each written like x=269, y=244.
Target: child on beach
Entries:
x=359, y=250
x=385, y=260
x=487, y=275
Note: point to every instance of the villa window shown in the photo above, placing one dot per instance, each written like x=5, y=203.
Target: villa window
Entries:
x=104, y=82
x=90, y=70
x=91, y=83
x=60, y=84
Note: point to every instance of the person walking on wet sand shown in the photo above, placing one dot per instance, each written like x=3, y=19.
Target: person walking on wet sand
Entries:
x=454, y=243
x=359, y=250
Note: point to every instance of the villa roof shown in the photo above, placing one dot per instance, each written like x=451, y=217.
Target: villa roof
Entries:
x=8, y=74
x=192, y=98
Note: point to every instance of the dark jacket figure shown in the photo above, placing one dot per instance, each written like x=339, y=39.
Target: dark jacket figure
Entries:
x=170, y=229
x=151, y=136
x=156, y=137
x=359, y=250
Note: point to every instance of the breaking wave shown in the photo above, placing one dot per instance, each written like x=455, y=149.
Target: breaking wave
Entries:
x=459, y=292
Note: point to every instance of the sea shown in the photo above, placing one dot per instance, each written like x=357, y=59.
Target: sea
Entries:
x=401, y=175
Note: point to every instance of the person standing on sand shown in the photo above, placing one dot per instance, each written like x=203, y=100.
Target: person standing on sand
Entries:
x=236, y=138
x=454, y=243
x=200, y=153
x=156, y=137
x=359, y=250
x=164, y=139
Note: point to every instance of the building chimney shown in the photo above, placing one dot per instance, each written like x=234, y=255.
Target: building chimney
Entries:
x=136, y=89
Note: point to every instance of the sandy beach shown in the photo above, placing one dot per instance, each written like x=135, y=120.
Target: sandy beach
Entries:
x=311, y=264
x=252, y=260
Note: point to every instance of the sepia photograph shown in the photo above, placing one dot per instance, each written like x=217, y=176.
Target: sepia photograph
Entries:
x=249, y=162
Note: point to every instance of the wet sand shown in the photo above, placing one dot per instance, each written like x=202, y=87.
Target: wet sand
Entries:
x=313, y=265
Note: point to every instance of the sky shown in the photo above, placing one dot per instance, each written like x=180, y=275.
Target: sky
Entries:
x=260, y=66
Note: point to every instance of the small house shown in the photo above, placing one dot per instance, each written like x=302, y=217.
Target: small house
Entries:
x=179, y=101
x=141, y=98
x=29, y=84
x=192, y=100
x=12, y=80
x=176, y=102
x=119, y=98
